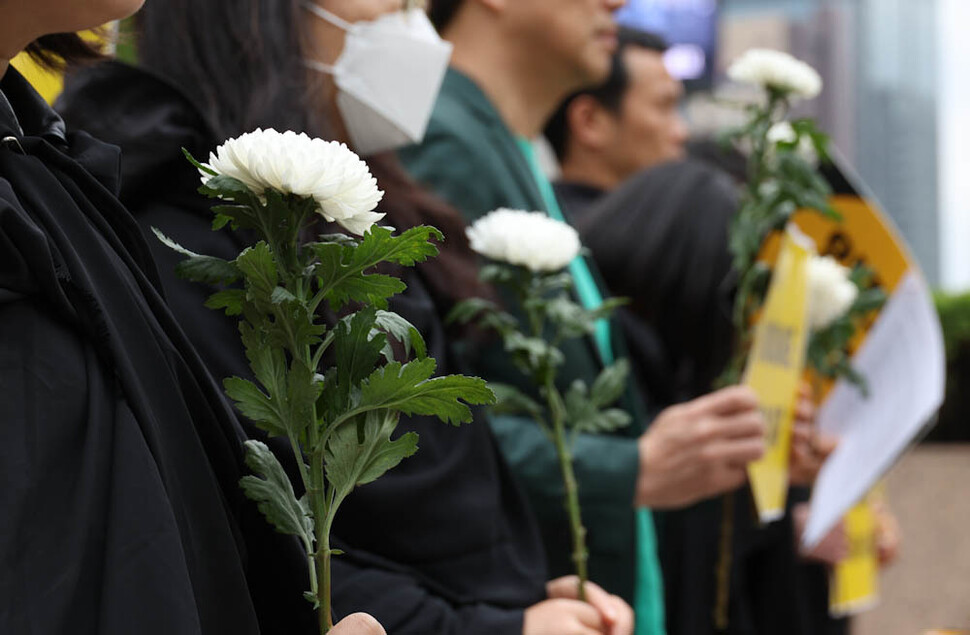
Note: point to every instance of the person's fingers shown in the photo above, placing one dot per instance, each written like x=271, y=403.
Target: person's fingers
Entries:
x=586, y=615
x=804, y=410
x=742, y=425
x=358, y=624
x=734, y=452
x=601, y=601
x=825, y=445
x=625, y=621
x=725, y=401
x=565, y=587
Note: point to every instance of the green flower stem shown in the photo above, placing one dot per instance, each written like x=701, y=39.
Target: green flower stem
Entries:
x=580, y=554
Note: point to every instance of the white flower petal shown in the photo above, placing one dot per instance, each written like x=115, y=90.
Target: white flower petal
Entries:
x=830, y=291
x=777, y=70
x=294, y=163
x=527, y=239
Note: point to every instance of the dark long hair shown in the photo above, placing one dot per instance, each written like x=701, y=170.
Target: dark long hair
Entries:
x=661, y=240
x=241, y=62
x=58, y=51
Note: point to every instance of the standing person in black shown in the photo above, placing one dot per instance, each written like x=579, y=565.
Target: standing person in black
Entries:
x=444, y=543
x=120, y=462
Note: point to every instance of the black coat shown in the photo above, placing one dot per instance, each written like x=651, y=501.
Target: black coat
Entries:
x=444, y=543
x=120, y=462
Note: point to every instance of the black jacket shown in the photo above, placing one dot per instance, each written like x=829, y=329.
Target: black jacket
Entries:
x=120, y=462
x=443, y=543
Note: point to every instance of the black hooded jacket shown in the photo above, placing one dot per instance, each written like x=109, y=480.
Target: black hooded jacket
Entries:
x=444, y=543
x=120, y=462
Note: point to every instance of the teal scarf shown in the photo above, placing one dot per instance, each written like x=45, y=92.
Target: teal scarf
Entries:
x=649, y=602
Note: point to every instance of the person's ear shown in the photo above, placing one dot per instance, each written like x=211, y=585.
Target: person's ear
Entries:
x=590, y=124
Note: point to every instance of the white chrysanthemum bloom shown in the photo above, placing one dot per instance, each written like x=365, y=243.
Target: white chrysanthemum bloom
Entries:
x=830, y=291
x=777, y=70
x=783, y=132
x=291, y=163
x=527, y=239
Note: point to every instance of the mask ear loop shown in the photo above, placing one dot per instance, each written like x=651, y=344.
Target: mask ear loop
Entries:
x=320, y=66
x=323, y=14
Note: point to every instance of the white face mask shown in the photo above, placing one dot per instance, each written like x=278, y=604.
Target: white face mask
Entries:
x=388, y=77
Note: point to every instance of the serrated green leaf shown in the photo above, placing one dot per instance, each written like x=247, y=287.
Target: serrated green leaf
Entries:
x=274, y=496
x=354, y=459
x=583, y=415
x=410, y=389
x=400, y=329
x=200, y=268
x=228, y=300
x=610, y=384
x=259, y=267
x=357, y=347
x=255, y=405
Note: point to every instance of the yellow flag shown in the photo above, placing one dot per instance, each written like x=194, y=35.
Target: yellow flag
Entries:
x=775, y=370
x=855, y=580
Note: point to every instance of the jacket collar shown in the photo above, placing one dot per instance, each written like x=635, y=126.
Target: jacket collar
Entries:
x=23, y=112
x=463, y=89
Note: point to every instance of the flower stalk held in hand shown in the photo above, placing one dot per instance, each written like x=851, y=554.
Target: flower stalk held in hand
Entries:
x=334, y=392
x=529, y=251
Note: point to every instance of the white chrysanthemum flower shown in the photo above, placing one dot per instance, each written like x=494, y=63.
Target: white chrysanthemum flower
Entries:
x=777, y=70
x=830, y=291
x=783, y=132
x=527, y=239
x=291, y=163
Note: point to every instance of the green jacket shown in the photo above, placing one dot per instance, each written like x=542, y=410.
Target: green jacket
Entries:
x=471, y=159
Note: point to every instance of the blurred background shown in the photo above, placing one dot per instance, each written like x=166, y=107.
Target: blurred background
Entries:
x=897, y=105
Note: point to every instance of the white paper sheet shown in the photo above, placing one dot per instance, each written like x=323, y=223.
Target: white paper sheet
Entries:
x=904, y=363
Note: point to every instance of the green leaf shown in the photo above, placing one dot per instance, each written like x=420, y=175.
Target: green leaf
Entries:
x=354, y=459
x=511, y=400
x=228, y=300
x=255, y=405
x=410, y=389
x=259, y=268
x=610, y=384
x=273, y=493
x=199, y=165
x=583, y=415
x=341, y=267
x=229, y=188
x=468, y=310
x=531, y=353
x=199, y=268
x=403, y=331
x=358, y=346
x=413, y=246
x=281, y=295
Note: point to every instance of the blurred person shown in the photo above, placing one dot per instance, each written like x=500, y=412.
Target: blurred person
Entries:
x=605, y=134
x=660, y=239
x=444, y=543
x=513, y=63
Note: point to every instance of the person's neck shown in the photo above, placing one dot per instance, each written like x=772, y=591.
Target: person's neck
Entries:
x=592, y=171
x=4, y=65
x=522, y=89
